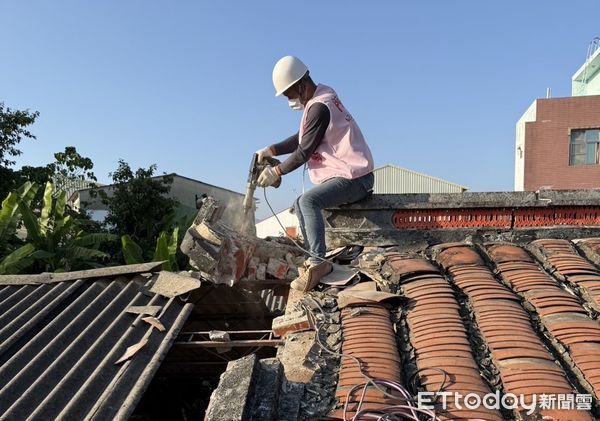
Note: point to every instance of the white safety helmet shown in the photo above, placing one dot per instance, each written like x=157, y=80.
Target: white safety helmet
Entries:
x=286, y=72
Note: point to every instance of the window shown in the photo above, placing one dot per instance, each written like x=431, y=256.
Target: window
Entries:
x=584, y=147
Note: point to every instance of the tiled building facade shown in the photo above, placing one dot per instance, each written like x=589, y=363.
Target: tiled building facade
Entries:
x=560, y=148
x=558, y=139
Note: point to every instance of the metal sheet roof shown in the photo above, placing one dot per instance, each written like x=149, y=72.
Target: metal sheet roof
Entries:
x=59, y=343
x=391, y=179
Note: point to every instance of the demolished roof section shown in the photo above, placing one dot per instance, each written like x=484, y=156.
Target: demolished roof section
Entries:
x=228, y=256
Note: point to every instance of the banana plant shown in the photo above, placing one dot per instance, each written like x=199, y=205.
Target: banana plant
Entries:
x=165, y=251
x=55, y=241
x=9, y=214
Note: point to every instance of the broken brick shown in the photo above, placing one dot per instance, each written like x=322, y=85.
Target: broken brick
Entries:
x=277, y=268
x=290, y=323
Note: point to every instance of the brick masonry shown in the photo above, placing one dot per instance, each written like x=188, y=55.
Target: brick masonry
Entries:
x=547, y=144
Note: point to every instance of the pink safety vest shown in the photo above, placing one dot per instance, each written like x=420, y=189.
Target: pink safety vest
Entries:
x=343, y=151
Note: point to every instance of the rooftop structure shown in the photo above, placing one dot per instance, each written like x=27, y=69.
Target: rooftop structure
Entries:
x=476, y=293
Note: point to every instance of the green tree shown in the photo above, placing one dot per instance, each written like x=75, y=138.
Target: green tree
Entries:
x=70, y=169
x=13, y=129
x=13, y=125
x=70, y=165
x=138, y=205
x=67, y=172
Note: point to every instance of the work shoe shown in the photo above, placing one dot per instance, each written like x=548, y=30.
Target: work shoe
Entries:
x=311, y=276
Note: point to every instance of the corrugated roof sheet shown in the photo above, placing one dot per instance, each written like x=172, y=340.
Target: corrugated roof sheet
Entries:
x=391, y=179
x=59, y=343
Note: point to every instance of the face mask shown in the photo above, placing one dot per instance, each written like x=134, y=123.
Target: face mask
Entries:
x=295, y=104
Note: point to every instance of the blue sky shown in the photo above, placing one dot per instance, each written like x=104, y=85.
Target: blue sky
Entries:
x=436, y=86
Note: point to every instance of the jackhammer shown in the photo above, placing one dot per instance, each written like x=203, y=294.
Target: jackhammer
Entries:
x=256, y=168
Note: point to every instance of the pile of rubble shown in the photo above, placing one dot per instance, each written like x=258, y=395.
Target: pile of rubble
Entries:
x=228, y=256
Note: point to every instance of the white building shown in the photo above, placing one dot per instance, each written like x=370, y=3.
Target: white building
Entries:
x=269, y=227
x=185, y=190
x=389, y=179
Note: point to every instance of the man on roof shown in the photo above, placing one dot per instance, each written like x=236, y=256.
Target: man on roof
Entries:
x=331, y=145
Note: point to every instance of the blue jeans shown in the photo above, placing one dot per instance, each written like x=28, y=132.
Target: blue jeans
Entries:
x=333, y=192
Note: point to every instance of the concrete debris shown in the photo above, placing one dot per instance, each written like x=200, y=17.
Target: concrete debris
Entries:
x=261, y=272
x=290, y=395
x=311, y=304
x=154, y=322
x=294, y=260
x=290, y=323
x=131, y=351
x=266, y=403
x=291, y=355
x=277, y=268
x=171, y=285
x=149, y=310
x=372, y=260
x=220, y=336
x=251, y=273
x=319, y=393
x=229, y=256
x=329, y=303
x=333, y=328
x=334, y=339
x=292, y=272
x=231, y=400
x=204, y=232
x=311, y=359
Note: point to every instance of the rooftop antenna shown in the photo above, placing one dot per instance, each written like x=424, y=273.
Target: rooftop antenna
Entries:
x=548, y=92
x=592, y=47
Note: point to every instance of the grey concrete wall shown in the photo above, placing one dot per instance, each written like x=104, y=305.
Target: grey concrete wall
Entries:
x=585, y=197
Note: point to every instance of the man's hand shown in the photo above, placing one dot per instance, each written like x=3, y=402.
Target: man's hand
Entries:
x=264, y=153
x=268, y=177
